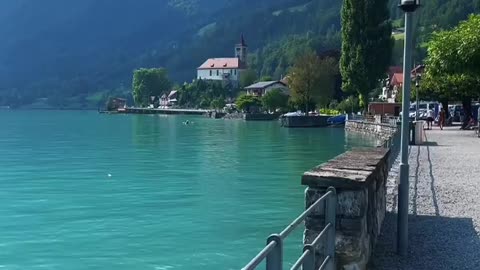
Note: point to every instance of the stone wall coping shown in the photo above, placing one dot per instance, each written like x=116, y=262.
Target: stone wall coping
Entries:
x=351, y=170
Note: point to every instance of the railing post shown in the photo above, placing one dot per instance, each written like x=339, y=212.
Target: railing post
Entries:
x=275, y=257
x=330, y=217
x=309, y=262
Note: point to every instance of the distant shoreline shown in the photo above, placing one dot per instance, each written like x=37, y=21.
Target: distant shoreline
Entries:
x=46, y=109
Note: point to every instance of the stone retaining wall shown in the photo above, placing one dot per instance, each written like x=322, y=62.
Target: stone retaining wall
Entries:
x=379, y=130
x=359, y=177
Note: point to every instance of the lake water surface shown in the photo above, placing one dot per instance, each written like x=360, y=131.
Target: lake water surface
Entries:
x=80, y=190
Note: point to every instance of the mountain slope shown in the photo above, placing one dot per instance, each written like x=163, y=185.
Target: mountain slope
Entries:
x=63, y=49
x=54, y=48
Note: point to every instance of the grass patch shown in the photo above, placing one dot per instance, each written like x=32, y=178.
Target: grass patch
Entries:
x=399, y=36
x=397, y=23
x=299, y=8
x=206, y=29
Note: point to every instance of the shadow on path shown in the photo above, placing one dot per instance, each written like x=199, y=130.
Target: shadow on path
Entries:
x=434, y=243
x=427, y=143
x=432, y=183
x=415, y=189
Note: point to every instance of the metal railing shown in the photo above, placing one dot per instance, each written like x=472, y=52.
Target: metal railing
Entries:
x=273, y=251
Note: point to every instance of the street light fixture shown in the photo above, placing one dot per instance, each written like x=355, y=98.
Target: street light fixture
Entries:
x=408, y=6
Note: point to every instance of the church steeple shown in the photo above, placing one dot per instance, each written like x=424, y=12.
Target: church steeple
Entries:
x=243, y=41
x=241, y=50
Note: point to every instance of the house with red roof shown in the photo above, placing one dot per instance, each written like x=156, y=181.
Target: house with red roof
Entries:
x=394, y=69
x=395, y=75
x=228, y=69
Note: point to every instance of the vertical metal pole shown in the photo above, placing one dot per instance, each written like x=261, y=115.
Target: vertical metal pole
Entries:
x=414, y=22
x=403, y=199
x=309, y=262
x=330, y=218
x=416, y=102
x=275, y=257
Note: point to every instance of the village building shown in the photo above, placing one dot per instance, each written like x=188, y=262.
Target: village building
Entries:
x=261, y=88
x=228, y=70
x=395, y=82
x=168, y=100
x=116, y=104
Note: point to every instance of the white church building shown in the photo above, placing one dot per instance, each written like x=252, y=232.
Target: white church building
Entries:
x=225, y=69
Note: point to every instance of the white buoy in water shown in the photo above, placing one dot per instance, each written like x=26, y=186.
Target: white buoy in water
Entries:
x=109, y=175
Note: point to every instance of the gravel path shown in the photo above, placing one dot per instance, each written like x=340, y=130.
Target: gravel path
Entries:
x=444, y=221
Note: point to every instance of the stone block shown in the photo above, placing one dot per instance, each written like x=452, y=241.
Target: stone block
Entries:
x=351, y=226
x=350, y=203
x=311, y=196
x=353, y=252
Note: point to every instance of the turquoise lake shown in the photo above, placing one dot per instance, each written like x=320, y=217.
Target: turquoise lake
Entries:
x=81, y=190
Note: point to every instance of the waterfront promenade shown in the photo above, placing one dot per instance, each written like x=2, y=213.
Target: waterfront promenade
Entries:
x=444, y=221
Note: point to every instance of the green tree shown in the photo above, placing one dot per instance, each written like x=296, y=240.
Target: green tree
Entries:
x=265, y=78
x=366, y=47
x=312, y=80
x=349, y=105
x=218, y=103
x=149, y=82
x=453, y=65
x=275, y=99
x=248, y=103
x=202, y=93
x=205, y=103
x=247, y=78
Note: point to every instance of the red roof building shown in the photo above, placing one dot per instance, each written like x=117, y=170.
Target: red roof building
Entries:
x=418, y=70
x=396, y=79
x=396, y=74
x=222, y=63
x=227, y=69
x=394, y=69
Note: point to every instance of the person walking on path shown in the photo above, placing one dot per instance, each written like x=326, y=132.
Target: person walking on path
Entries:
x=478, y=122
x=441, y=119
x=429, y=118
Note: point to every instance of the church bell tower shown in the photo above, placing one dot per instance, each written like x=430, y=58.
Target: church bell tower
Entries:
x=241, y=51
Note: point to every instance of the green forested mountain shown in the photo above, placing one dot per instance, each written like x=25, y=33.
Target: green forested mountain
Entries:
x=78, y=52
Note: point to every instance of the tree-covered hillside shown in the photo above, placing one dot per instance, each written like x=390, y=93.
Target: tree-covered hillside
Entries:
x=64, y=49
x=79, y=52
x=434, y=15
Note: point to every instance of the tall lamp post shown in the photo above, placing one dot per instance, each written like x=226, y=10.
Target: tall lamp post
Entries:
x=408, y=6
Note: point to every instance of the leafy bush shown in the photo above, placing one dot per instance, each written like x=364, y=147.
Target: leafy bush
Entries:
x=248, y=103
x=217, y=103
x=329, y=111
